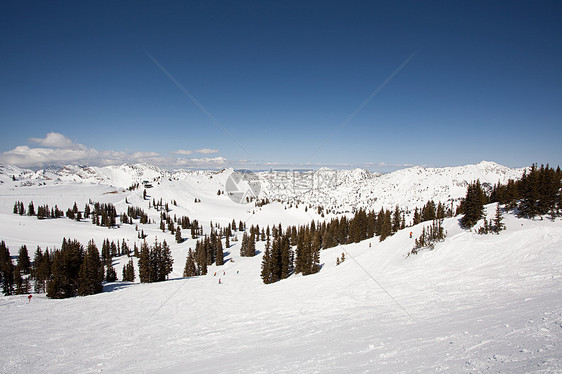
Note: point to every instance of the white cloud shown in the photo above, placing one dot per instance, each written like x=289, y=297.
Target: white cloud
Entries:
x=182, y=152
x=206, y=151
x=54, y=140
x=57, y=149
x=204, y=162
x=187, y=152
x=29, y=157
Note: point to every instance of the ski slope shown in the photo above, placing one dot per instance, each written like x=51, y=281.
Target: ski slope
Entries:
x=473, y=304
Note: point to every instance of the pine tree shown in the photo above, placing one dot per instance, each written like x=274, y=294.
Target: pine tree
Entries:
x=110, y=274
x=385, y=225
x=396, y=220
x=178, y=235
x=498, y=224
x=65, y=270
x=190, y=269
x=286, y=257
x=167, y=262
x=41, y=269
x=129, y=271
x=24, y=262
x=266, y=270
x=473, y=205
x=220, y=254
x=19, y=282
x=144, y=263
x=91, y=272
x=244, y=247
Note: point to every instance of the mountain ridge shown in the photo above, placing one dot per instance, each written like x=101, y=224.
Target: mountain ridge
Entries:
x=338, y=190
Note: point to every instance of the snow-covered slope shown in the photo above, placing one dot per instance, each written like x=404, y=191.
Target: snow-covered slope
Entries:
x=473, y=304
x=336, y=190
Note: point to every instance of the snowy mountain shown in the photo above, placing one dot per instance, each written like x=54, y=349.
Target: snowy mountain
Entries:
x=475, y=303
x=336, y=190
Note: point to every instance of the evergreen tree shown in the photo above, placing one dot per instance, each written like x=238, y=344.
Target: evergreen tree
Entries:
x=190, y=269
x=110, y=274
x=244, y=246
x=125, y=250
x=266, y=266
x=428, y=211
x=91, y=272
x=286, y=257
x=65, y=270
x=178, y=235
x=24, y=262
x=7, y=270
x=21, y=285
x=220, y=254
x=129, y=271
x=385, y=224
x=498, y=224
x=167, y=262
x=144, y=263
x=41, y=269
x=106, y=252
x=396, y=220
x=473, y=205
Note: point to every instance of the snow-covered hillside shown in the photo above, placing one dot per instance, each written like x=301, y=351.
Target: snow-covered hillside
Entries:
x=336, y=190
x=473, y=304
x=476, y=303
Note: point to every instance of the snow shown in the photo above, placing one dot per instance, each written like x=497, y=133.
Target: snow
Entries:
x=476, y=303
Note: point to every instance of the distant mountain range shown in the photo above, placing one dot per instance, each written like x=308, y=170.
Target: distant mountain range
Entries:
x=339, y=190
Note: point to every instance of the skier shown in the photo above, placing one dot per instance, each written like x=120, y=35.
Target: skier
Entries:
x=220, y=281
x=29, y=298
x=410, y=234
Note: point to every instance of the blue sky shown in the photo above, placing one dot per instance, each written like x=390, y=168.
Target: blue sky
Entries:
x=483, y=82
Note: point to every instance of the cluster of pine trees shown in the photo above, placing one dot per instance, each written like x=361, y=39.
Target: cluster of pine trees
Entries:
x=135, y=213
x=538, y=192
x=16, y=279
x=43, y=211
x=75, y=271
x=103, y=214
x=129, y=271
x=278, y=258
x=155, y=262
x=340, y=260
x=312, y=238
x=429, y=236
x=208, y=250
x=65, y=272
x=74, y=213
x=495, y=226
x=160, y=205
x=248, y=247
x=430, y=212
x=472, y=206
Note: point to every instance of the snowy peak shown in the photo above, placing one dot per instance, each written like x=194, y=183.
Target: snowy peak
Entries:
x=338, y=190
